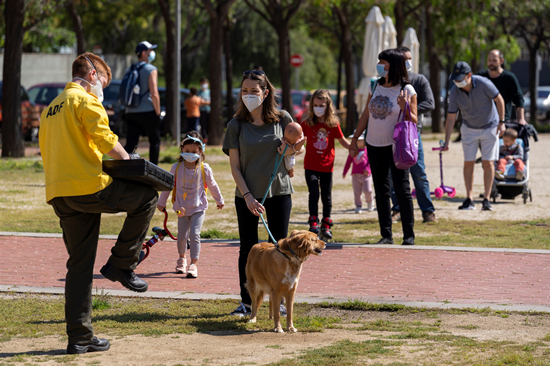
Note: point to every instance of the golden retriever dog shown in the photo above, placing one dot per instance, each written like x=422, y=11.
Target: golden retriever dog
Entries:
x=274, y=269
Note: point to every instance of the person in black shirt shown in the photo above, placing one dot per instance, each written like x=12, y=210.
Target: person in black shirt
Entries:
x=507, y=84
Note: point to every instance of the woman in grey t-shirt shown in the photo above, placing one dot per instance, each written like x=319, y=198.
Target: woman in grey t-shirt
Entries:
x=252, y=141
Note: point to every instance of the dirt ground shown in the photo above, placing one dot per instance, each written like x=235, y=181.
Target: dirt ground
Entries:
x=266, y=347
x=259, y=348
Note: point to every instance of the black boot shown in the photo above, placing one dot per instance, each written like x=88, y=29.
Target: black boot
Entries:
x=326, y=224
x=313, y=224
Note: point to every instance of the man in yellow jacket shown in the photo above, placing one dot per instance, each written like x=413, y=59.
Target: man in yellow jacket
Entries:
x=74, y=135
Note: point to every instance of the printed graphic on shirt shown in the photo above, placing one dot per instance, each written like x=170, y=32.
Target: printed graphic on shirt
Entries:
x=321, y=142
x=381, y=107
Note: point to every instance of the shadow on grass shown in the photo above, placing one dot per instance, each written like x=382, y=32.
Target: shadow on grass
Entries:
x=56, y=352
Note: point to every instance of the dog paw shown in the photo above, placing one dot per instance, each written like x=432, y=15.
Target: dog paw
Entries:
x=279, y=330
x=292, y=329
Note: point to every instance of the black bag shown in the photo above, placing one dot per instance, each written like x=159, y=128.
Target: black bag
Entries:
x=140, y=171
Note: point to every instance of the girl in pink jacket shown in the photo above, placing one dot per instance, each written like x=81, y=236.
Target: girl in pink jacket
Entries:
x=361, y=176
x=193, y=178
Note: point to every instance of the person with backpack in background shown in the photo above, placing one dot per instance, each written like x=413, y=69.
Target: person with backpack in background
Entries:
x=145, y=116
x=391, y=94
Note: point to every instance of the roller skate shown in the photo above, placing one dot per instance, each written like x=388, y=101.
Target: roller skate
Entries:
x=313, y=224
x=326, y=234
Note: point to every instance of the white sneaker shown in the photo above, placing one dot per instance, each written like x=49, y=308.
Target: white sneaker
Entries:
x=181, y=265
x=192, y=272
x=358, y=210
x=519, y=175
x=370, y=206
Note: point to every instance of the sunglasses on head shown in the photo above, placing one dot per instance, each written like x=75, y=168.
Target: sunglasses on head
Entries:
x=255, y=72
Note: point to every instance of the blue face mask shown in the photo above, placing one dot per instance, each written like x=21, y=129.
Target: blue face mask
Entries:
x=380, y=69
x=190, y=157
x=151, y=56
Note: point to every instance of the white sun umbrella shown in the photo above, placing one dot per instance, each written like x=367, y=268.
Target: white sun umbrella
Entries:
x=372, y=47
x=411, y=42
x=390, y=34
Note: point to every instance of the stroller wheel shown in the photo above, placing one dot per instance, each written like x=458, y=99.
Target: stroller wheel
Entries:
x=530, y=196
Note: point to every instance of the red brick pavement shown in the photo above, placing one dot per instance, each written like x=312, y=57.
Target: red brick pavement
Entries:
x=349, y=272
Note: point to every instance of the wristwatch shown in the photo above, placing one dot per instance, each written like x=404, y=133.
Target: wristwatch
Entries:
x=502, y=121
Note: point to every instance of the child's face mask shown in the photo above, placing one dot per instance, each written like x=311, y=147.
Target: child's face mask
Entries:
x=190, y=157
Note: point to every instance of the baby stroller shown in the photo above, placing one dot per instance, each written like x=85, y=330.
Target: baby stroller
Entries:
x=510, y=187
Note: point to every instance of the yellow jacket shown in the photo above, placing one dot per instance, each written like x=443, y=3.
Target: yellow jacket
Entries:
x=74, y=135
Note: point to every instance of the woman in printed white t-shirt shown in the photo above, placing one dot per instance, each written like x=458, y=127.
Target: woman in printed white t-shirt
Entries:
x=386, y=99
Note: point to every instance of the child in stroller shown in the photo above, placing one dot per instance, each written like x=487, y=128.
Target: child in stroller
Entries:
x=512, y=178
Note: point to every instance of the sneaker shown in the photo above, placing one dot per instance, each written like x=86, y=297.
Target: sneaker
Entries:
x=96, y=345
x=181, y=265
x=486, y=205
x=499, y=175
x=385, y=241
x=428, y=216
x=242, y=310
x=282, y=309
x=370, y=206
x=467, y=205
x=192, y=272
x=358, y=210
x=408, y=241
x=519, y=175
x=395, y=217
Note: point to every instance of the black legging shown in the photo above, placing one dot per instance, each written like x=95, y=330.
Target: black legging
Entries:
x=148, y=122
x=315, y=179
x=277, y=215
x=381, y=162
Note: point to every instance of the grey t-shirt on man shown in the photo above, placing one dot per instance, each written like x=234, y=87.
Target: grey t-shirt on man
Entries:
x=146, y=103
x=258, y=152
x=477, y=107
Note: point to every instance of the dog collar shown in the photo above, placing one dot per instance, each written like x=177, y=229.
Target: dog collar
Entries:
x=291, y=251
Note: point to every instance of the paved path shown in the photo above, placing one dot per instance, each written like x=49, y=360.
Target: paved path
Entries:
x=459, y=276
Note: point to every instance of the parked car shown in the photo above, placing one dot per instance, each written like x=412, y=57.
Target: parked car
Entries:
x=43, y=94
x=543, y=101
x=184, y=94
x=300, y=102
x=30, y=117
x=115, y=110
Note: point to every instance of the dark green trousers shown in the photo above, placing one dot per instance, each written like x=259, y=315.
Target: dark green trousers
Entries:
x=80, y=218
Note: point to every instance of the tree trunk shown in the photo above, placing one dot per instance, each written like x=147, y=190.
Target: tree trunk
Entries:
x=284, y=64
x=399, y=21
x=12, y=134
x=172, y=105
x=347, y=54
x=228, y=70
x=339, y=79
x=216, y=126
x=435, y=68
x=77, y=27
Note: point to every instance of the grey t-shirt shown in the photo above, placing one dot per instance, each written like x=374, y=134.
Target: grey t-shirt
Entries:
x=477, y=107
x=146, y=103
x=258, y=152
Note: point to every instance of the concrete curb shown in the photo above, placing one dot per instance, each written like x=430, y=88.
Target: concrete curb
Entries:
x=6, y=289
x=330, y=245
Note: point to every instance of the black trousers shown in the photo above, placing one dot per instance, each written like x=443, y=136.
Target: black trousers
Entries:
x=80, y=218
x=381, y=163
x=148, y=122
x=277, y=212
x=315, y=180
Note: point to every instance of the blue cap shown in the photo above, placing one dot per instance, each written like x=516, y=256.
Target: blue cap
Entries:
x=144, y=46
x=460, y=69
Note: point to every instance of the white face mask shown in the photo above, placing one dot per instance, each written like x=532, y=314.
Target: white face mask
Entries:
x=408, y=65
x=95, y=89
x=461, y=84
x=190, y=157
x=204, y=86
x=319, y=111
x=252, y=101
